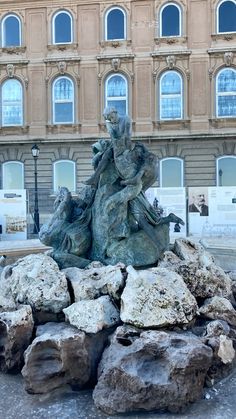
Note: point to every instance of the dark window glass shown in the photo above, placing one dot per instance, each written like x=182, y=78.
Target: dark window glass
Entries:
x=170, y=21
x=62, y=28
x=115, y=24
x=227, y=17
x=11, y=32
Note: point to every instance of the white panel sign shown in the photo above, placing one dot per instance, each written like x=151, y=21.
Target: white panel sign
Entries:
x=212, y=211
x=171, y=200
x=13, y=214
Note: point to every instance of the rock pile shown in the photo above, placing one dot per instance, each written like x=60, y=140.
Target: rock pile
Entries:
x=144, y=339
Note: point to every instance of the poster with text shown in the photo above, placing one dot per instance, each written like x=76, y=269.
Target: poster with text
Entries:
x=212, y=211
x=198, y=210
x=13, y=214
x=170, y=200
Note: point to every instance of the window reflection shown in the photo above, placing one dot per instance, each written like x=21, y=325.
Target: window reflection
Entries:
x=226, y=171
x=64, y=175
x=171, y=172
x=13, y=175
x=116, y=93
x=171, y=96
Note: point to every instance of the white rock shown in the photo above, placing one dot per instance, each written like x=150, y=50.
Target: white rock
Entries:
x=91, y=316
x=156, y=297
x=226, y=351
x=88, y=284
x=37, y=281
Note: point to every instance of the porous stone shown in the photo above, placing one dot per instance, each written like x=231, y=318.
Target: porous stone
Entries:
x=196, y=266
x=61, y=354
x=91, y=316
x=37, y=281
x=16, y=329
x=88, y=284
x=218, y=308
x=151, y=370
x=155, y=298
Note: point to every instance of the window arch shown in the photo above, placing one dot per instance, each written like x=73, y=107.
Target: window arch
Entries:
x=226, y=93
x=13, y=175
x=226, y=171
x=171, y=96
x=170, y=20
x=63, y=101
x=116, y=93
x=64, y=175
x=62, y=28
x=115, y=24
x=226, y=16
x=12, y=103
x=171, y=172
x=11, y=31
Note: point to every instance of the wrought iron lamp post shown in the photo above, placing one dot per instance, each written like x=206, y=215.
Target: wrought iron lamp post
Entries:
x=35, y=153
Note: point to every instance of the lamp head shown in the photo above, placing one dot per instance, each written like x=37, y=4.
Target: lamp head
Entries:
x=35, y=151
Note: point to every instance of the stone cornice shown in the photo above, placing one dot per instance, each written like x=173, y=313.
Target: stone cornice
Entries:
x=171, y=52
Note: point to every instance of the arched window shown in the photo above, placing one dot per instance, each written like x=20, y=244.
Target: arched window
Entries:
x=62, y=28
x=11, y=31
x=171, y=96
x=64, y=175
x=63, y=101
x=226, y=16
x=13, y=175
x=170, y=20
x=12, y=103
x=226, y=171
x=171, y=172
x=116, y=93
x=115, y=24
x=226, y=93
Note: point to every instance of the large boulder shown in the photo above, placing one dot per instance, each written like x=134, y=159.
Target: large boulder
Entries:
x=151, y=370
x=155, y=298
x=61, y=354
x=37, y=281
x=196, y=266
x=91, y=316
x=91, y=283
x=16, y=329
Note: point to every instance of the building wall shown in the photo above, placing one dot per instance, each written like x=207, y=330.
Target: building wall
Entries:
x=198, y=54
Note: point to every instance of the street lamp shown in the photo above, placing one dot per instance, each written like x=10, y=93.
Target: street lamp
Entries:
x=35, y=153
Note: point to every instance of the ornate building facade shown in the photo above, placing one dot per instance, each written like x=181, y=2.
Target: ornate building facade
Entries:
x=171, y=65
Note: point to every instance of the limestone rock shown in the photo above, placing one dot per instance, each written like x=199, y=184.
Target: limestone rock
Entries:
x=37, y=281
x=61, y=354
x=88, y=284
x=156, y=298
x=151, y=370
x=218, y=308
x=196, y=266
x=91, y=316
x=16, y=329
x=190, y=251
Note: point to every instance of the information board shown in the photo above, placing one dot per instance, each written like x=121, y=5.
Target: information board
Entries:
x=171, y=200
x=13, y=214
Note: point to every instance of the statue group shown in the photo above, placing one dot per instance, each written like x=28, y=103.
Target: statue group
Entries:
x=112, y=221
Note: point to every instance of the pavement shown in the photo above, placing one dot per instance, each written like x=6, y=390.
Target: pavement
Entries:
x=219, y=402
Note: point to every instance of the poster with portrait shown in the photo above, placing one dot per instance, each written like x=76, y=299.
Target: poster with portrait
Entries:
x=13, y=219
x=198, y=210
x=170, y=200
